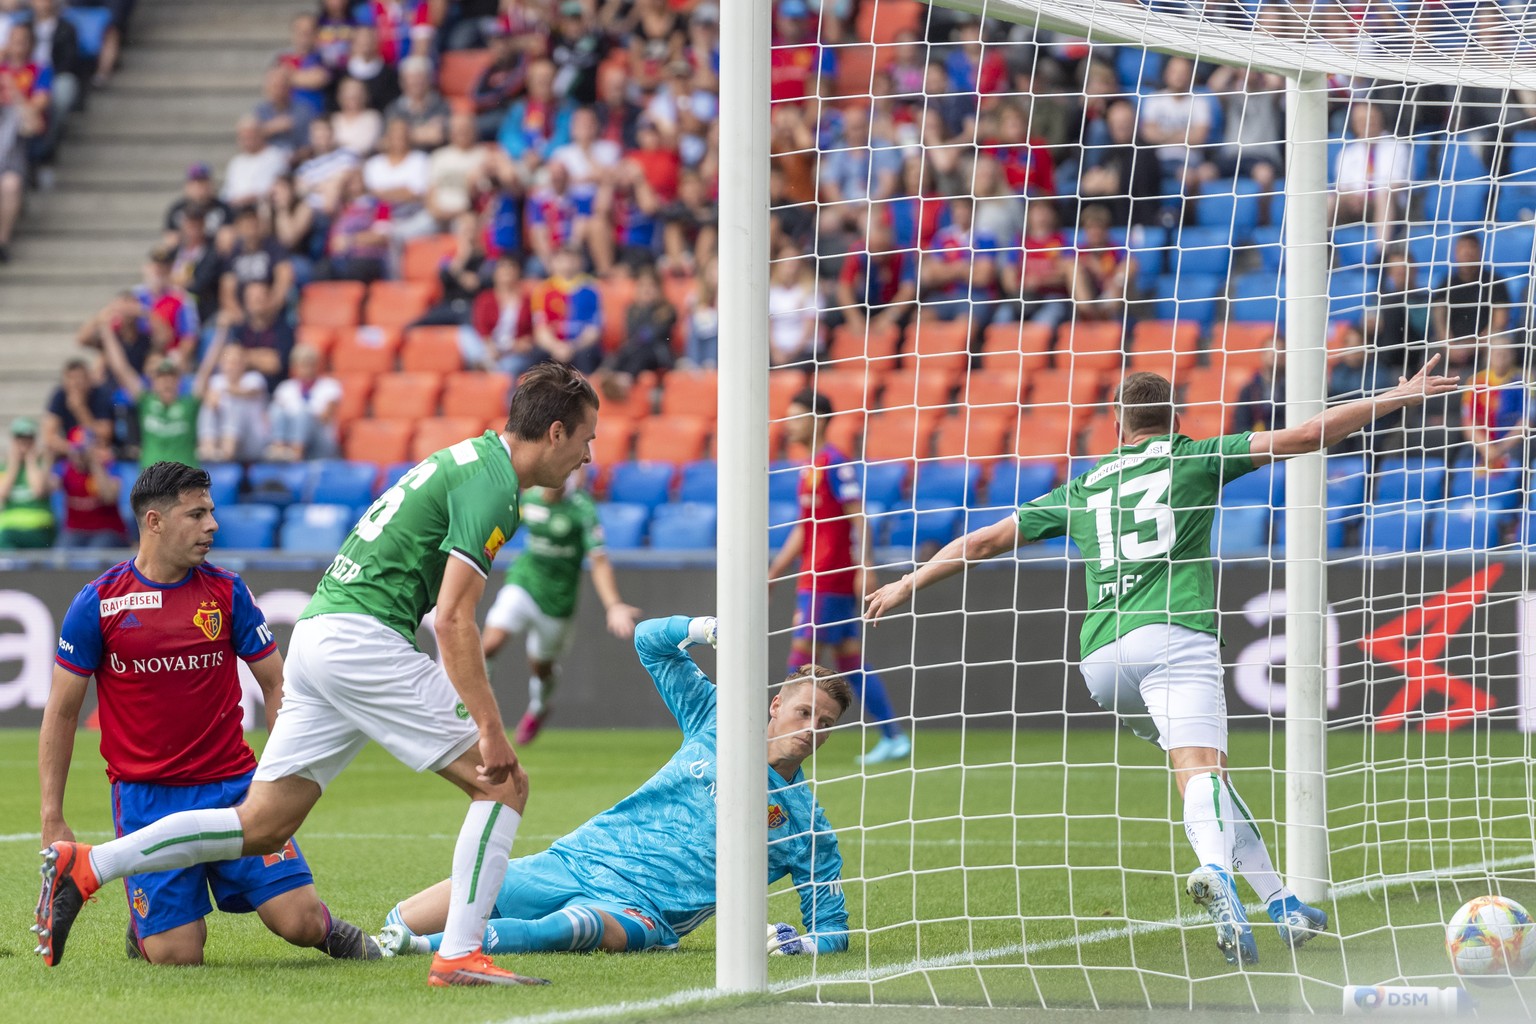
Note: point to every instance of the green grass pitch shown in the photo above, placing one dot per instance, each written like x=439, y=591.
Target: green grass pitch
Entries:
x=1062, y=883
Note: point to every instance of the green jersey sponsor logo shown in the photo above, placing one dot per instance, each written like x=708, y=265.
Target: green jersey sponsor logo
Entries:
x=560, y=532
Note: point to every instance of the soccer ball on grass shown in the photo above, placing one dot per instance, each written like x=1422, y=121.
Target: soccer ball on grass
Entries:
x=1490, y=940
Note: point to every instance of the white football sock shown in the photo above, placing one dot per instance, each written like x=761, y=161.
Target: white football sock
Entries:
x=1208, y=817
x=177, y=840
x=479, y=865
x=1249, y=855
x=537, y=688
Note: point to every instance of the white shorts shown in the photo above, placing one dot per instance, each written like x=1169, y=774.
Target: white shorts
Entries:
x=515, y=611
x=1166, y=683
x=349, y=679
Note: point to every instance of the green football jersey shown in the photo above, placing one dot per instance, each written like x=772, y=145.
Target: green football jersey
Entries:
x=167, y=431
x=560, y=536
x=1142, y=519
x=458, y=502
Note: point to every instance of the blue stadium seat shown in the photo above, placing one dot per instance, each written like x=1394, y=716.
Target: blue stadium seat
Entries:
x=127, y=474
x=1431, y=244
x=928, y=523
x=1409, y=479
x=1014, y=482
x=782, y=517
x=1135, y=67
x=683, y=526
x=641, y=483
x=1509, y=247
x=1398, y=526
x=1455, y=201
x=247, y=527
x=883, y=482
x=1081, y=464
x=1499, y=490
x=1149, y=247
x=1355, y=245
x=1266, y=241
x=952, y=482
x=1515, y=201
x=1205, y=250
x=699, y=482
x=316, y=528
x=1265, y=486
x=1464, y=527
x=1235, y=212
x=1240, y=531
x=339, y=482
x=623, y=524
x=224, y=483
x=391, y=476
x=784, y=481
x=277, y=483
x=91, y=24
x=1522, y=155
x=1461, y=160
x=1350, y=291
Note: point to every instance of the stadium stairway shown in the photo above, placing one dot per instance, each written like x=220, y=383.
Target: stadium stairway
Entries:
x=190, y=69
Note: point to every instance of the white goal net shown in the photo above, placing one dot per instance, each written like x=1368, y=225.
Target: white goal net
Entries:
x=984, y=215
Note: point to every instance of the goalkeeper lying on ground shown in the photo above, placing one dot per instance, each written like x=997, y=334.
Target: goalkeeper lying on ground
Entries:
x=641, y=875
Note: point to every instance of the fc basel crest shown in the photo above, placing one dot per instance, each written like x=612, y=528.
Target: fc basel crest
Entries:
x=776, y=817
x=209, y=619
x=140, y=903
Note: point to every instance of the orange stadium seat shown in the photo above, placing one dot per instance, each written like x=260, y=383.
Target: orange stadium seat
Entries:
x=928, y=386
x=1199, y=421
x=1102, y=435
x=441, y=431
x=1167, y=347
x=355, y=391
x=614, y=294
x=1213, y=385
x=885, y=20
x=938, y=343
x=638, y=404
x=975, y=433
x=331, y=303
x=893, y=434
x=365, y=350
x=321, y=339
x=855, y=64
x=1093, y=345
x=613, y=444
x=846, y=390
x=1072, y=385
x=460, y=69
x=406, y=396
x=672, y=439
x=876, y=340
x=484, y=396
x=994, y=387
x=1020, y=345
x=421, y=258
x=397, y=303
x=381, y=442
x=845, y=432
x=1044, y=433
x=783, y=386
x=431, y=350
x=690, y=393
x=1242, y=345
x=678, y=290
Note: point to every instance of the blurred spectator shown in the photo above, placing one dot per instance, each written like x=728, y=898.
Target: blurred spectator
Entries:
x=1373, y=172
x=793, y=308
x=112, y=39
x=1043, y=274
x=303, y=411
x=999, y=211
x=656, y=36
x=1099, y=285
x=333, y=36
x=1471, y=307
x=167, y=415
x=691, y=222
x=232, y=425
x=27, y=86
x=13, y=160
x=318, y=179
x=630, y=210
x=1495, y=413
x=1261, y=402
x=648, y=327
x=540, y=122
x=577, y=45
x=26, y=515
x=160, y=299
x=880, y=284
x=1253, y=110
x=404, y=27
x=796, y=58
x=959, y=270
x=91, y=490
x=1025, y=161
x=365, y=65
x=559, y=215
x=1356, y=372
x=589, y=158
x=197, y=192
x=500, y=334
x=567, y=315
x=356, y=125
x=256, y=256
x=704, y=44
x=461, y=275
x=283, y=118
x=661, y=165
x=251, y=172
x=703, y=351
x=143, y=337
x=297, y=227
x=456, y=172
x=1122, y=175
x=420, y=106
x=476, y=22
x=853, y=166
x=1176, y=120
x=1397, y=322
x=263, y=333
x=501, y=82
x=78, y=402
x=196, y=264
x=618, y=116
x=399, y=176
x=678, y=99
x=57, y=48
x=310, y=76
x=358, y=245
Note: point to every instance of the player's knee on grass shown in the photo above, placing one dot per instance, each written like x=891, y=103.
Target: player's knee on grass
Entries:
x=297, y=917
x=178, y=947
x=620, y=936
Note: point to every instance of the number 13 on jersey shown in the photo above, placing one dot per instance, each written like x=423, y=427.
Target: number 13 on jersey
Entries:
x=1149, y=491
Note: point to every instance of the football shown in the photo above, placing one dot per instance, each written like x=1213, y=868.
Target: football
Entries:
x=1490, y=941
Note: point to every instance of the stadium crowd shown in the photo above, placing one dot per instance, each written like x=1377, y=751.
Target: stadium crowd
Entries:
x=428, y=198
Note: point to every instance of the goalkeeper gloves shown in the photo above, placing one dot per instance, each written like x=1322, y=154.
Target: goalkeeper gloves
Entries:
x=783, y=940
x=703, y=630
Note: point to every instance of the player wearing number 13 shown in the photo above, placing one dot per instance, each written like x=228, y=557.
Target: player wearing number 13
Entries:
x=1142, y=519
x=354, y=674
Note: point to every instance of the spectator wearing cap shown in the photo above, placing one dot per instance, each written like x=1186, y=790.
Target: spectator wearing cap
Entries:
x=578, y=47
x=91, y=490
x=366, y=65
x=456, y=173
x=303, y=411
x=26, y=516
x=499, y=83
x=420, y=106
x=256, y=256
x=356, y=125
x=232, y=424
x=538, y=123
x=357, y=246
x=197, y=192
x=196, y=263
x=166, y=416
x=78, y=402
x=309, y=75
x=567, y=315
x=399, y=176
x=160, y=299
x=282, y=118
x=250, y=173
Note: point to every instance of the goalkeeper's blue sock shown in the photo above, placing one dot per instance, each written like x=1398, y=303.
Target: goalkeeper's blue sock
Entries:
x=870, y=690
x=574, y=928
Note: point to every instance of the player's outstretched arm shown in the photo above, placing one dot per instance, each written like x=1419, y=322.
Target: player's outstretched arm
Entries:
x=56, y=748
x=976, y=546
x=1331, y=426
x=662, y=646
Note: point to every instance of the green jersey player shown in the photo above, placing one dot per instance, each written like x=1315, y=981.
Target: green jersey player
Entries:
x=354, y=674
x=1142, y=519
x=539, y=598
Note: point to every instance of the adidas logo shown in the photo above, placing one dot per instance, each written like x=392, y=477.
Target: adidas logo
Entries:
x=131, y=621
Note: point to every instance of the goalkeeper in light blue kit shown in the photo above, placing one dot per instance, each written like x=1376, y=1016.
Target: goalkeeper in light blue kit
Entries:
x=641, y=875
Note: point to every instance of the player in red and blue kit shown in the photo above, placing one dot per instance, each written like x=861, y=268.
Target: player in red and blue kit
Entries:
x=832, y=579
x=161, y=634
